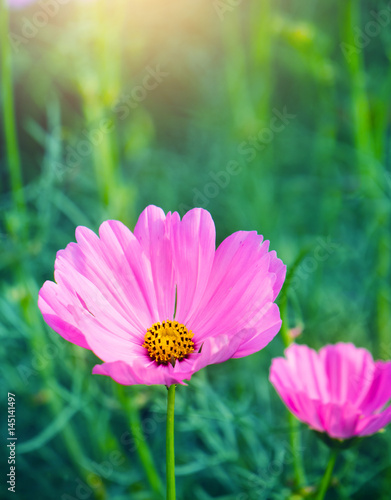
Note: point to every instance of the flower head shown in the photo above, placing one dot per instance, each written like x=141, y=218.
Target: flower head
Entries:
x=340, y=390
x=158, y=304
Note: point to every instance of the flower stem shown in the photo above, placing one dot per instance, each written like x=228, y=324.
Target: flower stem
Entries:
x=141, y=445
x=7, y=98
x=170, y=453
x=143, y=450
x=294, y=427
x=371, y=153
x=325, y=483
x=295, y=442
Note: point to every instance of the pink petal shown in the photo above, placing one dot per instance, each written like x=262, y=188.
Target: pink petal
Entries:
x=153, y=231
x=61, y=312
x=110, y=280
x=345, y=367
x=308, y=410
x=140, y=371
x=131, y=270
x=278, y=268
x=96, y=305
x=340, y=421
x=370, y=425
x=214, y=350
x=379, y=390
x=193, y=241
x=308, y=371
x=255, y=339
x=240, y=290
x=283, y=378
x=299, y=403
x=116, y=266
x=110, y=342
x=302, y=400
x=302, y=371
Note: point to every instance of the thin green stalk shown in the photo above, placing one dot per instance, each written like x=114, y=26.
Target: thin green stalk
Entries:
x=142, y=447
x=170, y=452
x=370, y=159
x=143, y=451
x=7, y=98
x=294, y=426
x=104, y=71
x=326, y=479
x=236, y=76
x=360, y=104
x=286, y=338
x=38, y=343
x=260, y=63
x=295, y=442
x=261, y=19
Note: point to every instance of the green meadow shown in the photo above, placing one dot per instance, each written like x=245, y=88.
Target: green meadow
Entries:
x=272, y=115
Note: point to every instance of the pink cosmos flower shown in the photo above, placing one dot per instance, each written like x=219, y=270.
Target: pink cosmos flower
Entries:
x=340, y=390
x=158, y=304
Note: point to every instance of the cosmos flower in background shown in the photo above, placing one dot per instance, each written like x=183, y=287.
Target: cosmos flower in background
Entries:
x=340, y=391
x=159, y=304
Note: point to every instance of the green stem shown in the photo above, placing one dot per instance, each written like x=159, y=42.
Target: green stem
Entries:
x=326, y=479
x=142, y=447
x=7, y=98
x=170, y=453
x=369, y=140
x=261, y=56
x=143, y=450
x=103, y=155
x=38, y=343
x=294, y=426
x=236, y=76
x=295, y=442
x=359, y=99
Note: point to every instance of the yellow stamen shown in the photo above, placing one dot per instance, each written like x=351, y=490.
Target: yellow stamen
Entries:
x=168, y=341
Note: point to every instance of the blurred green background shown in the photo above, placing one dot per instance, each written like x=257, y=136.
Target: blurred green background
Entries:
x=274, y=116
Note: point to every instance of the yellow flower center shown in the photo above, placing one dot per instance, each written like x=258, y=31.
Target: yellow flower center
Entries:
x=168, y=341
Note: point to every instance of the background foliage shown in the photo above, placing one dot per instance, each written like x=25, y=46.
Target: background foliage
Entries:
x=275, y=116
